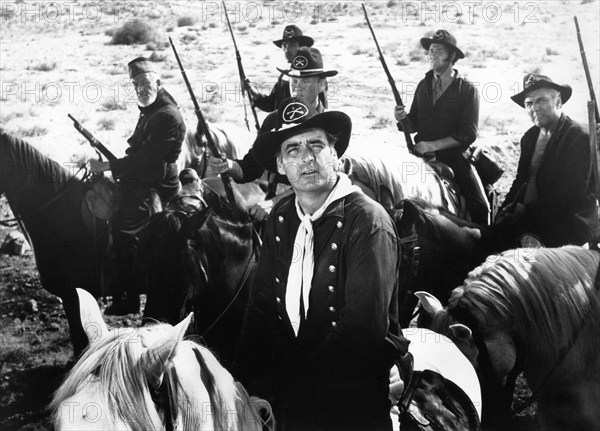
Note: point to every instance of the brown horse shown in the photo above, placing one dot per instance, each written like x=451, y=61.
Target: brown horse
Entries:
x=53, y=206
x=537, y=311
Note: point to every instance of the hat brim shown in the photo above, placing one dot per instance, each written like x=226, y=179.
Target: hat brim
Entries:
x=267, y=145
x=293, y=73
x=302, y=41
x=565, y=92
x=426, y=43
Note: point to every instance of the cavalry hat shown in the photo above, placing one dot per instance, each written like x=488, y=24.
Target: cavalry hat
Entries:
x=307, y=63
x=442, y=36
x=291, y=33
x=138, y=66
x=532, y=82
x=293, y=117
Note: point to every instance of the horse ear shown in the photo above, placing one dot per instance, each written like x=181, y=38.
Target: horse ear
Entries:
x=91, y=318
x=429, y=302
x=155, y=359
x=461, y=332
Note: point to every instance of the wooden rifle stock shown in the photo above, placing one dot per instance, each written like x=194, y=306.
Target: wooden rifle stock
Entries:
x=95, y=143
x=204, y=127
x=586, y=68
x=397, y=98
x=243, y=81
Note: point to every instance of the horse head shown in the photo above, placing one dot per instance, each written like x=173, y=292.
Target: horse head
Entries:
x=148, y=378
x=431, y=238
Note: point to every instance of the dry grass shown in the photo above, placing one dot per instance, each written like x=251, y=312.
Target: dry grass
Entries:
x=133, y=33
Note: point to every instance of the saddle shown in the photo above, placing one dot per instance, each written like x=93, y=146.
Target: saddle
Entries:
x=432, y=403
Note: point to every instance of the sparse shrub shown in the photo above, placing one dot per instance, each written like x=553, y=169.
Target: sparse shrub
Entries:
x=32, y=131
x=44, y=67
x=356, y=50
x=381, y=123
x=106, y=124
x=157, y=58
x=417, y=53
x=212, y=24
x=169, y=29
x=550, y=51
x=184, y=21
x=131, y=33
x=151, y=46
x=242, y=28
x=113, y=105
x=392, y=3
x=402, y=61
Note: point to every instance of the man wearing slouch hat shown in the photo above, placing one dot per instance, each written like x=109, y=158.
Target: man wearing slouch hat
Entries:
x=552, y=196
x=148, y=167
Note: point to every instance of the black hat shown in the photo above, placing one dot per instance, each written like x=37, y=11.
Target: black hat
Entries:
x=138, y=66
x=293, y=117
x=532, y=82
x=442, y=36
x=291, y=33
x=307, y=63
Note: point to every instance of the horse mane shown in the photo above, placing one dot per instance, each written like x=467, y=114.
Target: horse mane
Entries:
x=542, y=294
x=113, y=362
x=17, y=154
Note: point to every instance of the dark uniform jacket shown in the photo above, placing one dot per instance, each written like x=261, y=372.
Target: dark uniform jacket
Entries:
x=334, y=375
x=270, y=102
x=154, y=146
x=565, y=211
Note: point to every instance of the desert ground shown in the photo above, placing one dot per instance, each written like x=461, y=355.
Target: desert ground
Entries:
x=59, y=58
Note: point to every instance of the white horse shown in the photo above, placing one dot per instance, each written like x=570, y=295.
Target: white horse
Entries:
x=149, y=378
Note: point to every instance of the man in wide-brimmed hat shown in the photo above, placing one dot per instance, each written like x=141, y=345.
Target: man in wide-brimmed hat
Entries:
x=291, y=40
x=149, y=164
x=444, y=114
x=321, y=329
x=308, y=84
x=552, y=195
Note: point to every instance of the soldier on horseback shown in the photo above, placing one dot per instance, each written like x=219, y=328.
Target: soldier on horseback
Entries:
x=308, y=85
x=444, y=114
x=290, y=42
x=148, y=167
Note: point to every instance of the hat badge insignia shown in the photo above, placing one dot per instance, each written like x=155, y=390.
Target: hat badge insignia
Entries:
x=438, y=35
x=294, y=112
x=289, y=32
x=300, y=62
x=530, y=81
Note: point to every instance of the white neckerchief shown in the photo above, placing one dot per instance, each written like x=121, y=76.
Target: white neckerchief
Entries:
x=302, y=266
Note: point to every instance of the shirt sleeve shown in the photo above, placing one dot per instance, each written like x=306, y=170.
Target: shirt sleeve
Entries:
x=466, y=133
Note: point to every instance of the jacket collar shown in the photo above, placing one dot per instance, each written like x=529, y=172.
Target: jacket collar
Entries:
x=335, y=209
x=163, y=98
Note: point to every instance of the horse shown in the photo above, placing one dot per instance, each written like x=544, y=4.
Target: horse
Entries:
x=537, y=311
x=434, y=352
x=149, y=378
x=232, y=142
x=201, y=261
x=53, y=208
x=390, y=174
x=438, y=250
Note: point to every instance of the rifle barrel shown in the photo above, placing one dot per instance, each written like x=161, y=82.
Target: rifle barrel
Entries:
x=586, y=68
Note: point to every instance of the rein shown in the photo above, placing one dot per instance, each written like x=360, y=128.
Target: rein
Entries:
x=413, y=250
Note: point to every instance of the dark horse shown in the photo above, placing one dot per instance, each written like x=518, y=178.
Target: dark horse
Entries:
x=48, y=201
x=438, y=250
x=201, y=261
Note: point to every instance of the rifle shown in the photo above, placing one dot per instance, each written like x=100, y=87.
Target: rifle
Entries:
x=95, y=143
x=243, y=80
x=587, y=71
x=409, y=142
x=204, y=127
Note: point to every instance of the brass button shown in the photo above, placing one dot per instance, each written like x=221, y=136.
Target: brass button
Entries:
x=280, y=218
x=334, y=324
x=277, y=280
x=333, y=246
x=278, y=299
x=331, y=289
x=339, y=224
x=332, y=309
x=277, y=239
x=331, y=268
